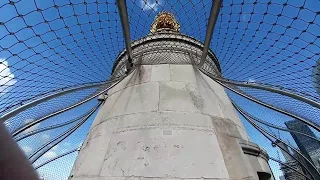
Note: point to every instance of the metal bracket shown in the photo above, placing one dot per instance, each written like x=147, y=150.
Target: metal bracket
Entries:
x=102, y=97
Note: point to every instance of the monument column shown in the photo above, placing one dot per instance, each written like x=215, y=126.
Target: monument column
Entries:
x=167, y=120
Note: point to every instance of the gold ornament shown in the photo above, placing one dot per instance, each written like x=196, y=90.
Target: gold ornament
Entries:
x=164, y=21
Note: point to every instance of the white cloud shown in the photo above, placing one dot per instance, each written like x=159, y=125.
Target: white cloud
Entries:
x=32, y=128
x=150, y=4
x=6, y=77
x=50, y=154
x=26, y=149
x=250, y=80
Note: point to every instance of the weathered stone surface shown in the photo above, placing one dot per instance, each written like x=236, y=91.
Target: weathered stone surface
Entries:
x=151, y=178
x=186, y=97
x=160, y=72
x=166, y=122
x=141, y=74
x=133, y=99
x=183, y=73
x=184, y=153
x=90, y=158
x=264, y=166
x=233, y=156
x=164, y=119
x=226, y=127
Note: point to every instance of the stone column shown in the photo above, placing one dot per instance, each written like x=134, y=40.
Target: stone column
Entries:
x=168, y=121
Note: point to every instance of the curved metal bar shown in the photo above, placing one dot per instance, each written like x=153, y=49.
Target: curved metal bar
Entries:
x=276, y=160
x=46, y=98
x=315, y=126
x=270, y=89
x=215, y=8
x=280, y=128
x=15, y=133
x=53, y=126
x=57, y=157
x=261, y=131
x=264, y=132
x=60, y=138
x=122, y=7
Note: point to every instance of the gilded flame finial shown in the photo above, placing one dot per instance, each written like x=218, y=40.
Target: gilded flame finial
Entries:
x=163, y=21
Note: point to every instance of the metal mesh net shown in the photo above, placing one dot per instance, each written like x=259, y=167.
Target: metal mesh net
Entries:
x=46, y=46
x=60, y=54
x=272, y=42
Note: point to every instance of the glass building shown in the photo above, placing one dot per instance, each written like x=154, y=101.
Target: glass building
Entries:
x=309, y=147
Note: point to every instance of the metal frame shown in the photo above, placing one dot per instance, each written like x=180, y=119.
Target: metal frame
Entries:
x=53, y=126
x=267, y=134
x=280, y=128
x=46, y=98
x=122, y=7
x=276, y=160
x=270, y=89
x=60, y=138
x=265, y=105
x=18, y=131
x=57, y=157
x=215, y=8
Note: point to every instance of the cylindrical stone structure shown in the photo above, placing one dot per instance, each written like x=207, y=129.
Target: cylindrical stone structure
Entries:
x=168, y=120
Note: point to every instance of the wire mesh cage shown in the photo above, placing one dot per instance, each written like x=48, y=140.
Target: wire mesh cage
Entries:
x=58, y=56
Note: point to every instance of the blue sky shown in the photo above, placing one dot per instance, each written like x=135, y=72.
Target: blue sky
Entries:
x=54, y=45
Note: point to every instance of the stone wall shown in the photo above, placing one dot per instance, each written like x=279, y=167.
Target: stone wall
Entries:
x=166, y=121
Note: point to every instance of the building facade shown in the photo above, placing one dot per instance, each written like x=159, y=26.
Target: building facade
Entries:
x=309, y=147
x=291, y=169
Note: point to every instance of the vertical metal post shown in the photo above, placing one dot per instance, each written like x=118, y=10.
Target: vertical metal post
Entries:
x=215, y=8
x=122, y=7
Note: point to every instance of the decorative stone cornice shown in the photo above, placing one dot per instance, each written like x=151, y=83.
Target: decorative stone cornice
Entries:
x=253, y=149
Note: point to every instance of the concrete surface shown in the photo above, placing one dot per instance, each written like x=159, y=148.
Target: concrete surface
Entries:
x=166, y=122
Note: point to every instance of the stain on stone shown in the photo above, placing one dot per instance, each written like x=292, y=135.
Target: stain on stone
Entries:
x=86, y=144
x=167, y=132
x=146, y=148
x=170, y=92
x=156, y=147
x=225, y=126
x=96, y=135
x=196, y=98
x=121, y=145
x=140, y=73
